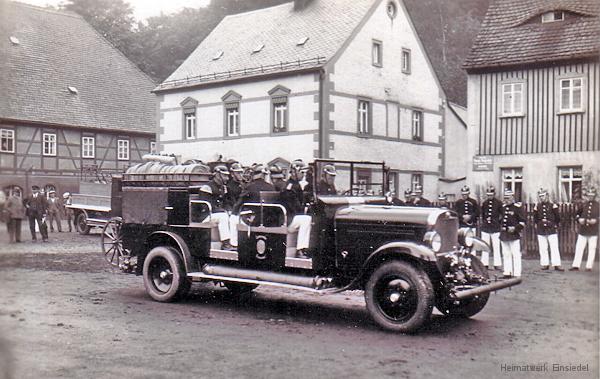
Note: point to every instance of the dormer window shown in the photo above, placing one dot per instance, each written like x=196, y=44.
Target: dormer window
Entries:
x=553, y=16
x=258, y=48
x=73, y=90
x=302, y=41
x=218, y=55
x=14, y=40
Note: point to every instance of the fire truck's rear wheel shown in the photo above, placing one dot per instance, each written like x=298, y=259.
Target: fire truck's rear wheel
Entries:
x=81, y=224
x=468, y=307
x=399, y=296
x=239, y=289
x=164, y=275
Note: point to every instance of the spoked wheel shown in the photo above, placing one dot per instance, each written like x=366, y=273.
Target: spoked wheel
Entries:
x=468, y=307
x=164, y=275
x=81, y=223
x=112, y=243
x=399, y=296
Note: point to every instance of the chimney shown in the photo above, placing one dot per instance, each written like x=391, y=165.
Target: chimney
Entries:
x=301, y=4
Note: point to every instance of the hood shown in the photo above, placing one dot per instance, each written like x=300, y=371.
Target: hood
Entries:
x=383, y=213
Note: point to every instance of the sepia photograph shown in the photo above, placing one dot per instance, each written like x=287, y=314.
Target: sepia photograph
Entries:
x=299, y=189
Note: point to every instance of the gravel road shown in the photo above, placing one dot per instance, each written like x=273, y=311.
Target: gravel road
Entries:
x=64, y=313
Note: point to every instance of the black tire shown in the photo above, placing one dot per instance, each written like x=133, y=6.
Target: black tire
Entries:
x=239, y=289
x=399, y=296
x=468, y=307
x=81, y=224
x=164, y=275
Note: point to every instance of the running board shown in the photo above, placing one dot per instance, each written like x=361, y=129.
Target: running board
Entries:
x=235, y=274
x=232, y=255
x=198, y=276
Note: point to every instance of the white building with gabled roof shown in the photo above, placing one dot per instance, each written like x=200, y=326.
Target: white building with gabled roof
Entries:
x=308, y=79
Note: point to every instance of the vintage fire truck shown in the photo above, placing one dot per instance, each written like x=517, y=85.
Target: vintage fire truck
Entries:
x=406, y=259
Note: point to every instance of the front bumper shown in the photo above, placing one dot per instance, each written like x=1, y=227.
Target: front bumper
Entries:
x=480, y=290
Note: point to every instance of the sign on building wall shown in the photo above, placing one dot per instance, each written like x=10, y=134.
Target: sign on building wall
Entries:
x=483, y=163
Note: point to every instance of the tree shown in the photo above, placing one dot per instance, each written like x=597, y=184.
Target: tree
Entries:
x=111, y=18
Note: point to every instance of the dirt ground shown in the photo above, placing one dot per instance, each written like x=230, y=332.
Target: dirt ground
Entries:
x=64, y=313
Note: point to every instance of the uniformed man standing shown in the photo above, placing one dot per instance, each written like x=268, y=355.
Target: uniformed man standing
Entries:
x=491, y=215
x=587, y=235
x=293, y=199
x=467, y=209
x=513, y=222
x=216, y=192
x=418, y=199
x=546, y=217
x=326, y=185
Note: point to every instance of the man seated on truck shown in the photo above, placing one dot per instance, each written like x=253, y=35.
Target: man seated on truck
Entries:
x=234, y=190
x=214, y=192
x=292, y=198
x=327, y=183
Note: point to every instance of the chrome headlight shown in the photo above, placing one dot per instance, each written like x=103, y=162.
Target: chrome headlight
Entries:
x=465, y=236
x=434, y=240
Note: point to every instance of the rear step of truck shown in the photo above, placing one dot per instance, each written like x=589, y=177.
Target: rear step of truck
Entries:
x=216, y=272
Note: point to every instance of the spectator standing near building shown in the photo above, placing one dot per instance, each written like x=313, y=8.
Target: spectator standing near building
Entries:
x=55, y=207
x=491, y=215
x=546, y=218
x=587, y=234
x=513, y=222
x=69, y=215
x=15, y=210
x=36, y=207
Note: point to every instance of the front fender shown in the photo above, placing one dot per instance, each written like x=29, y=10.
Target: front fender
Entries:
x=183, y=247
x=406, y=248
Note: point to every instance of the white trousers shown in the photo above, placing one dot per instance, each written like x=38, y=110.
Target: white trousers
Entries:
x=222, y=221
x=511, y=250
x=552, y=241
x=582, y=241
x=492, y=239
x=301, y=224
x=233, y=223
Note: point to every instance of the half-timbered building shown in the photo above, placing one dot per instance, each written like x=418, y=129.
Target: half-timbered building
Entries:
x=70, y=101
x=312, y=78
x=534, y=98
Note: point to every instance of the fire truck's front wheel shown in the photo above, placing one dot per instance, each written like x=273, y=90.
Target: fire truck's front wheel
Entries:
x=164, y=275
x=399, y=296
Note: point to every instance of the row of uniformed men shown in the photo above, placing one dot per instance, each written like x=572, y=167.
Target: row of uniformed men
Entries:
x=227, y=191
x=502, y=223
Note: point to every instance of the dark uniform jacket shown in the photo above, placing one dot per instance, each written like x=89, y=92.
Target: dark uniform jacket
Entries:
x=251, y=194
x=217, y=199
x=491, y=213
x=546, y=218
x=292, y=198
x=325, y=189
x=512, y=215
x=422, y=202
x=37, y=206
x=588, y=210
x=234, y=190
x=464, y=208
